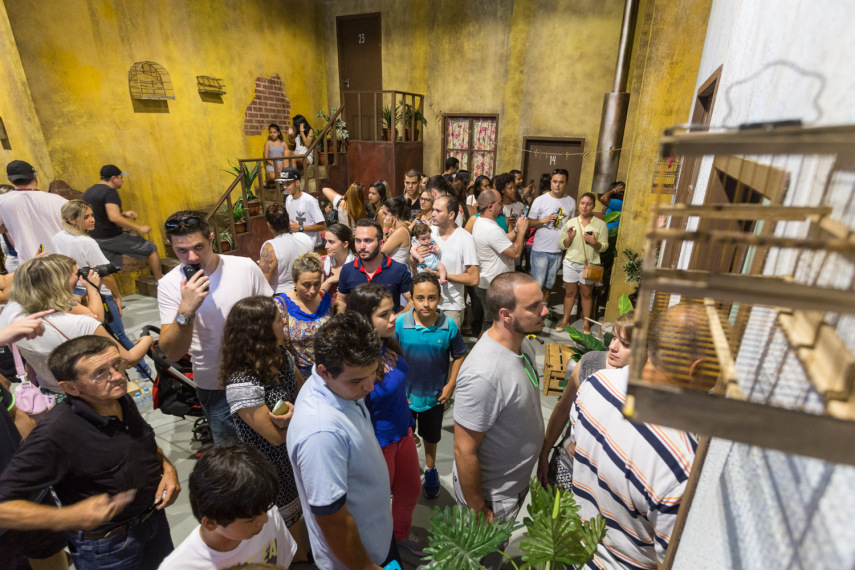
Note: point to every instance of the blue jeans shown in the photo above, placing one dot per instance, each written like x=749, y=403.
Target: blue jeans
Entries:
x=143, y=547
x=544, y=267
x=216, y=409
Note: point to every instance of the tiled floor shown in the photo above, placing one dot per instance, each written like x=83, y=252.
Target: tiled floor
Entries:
x=175, y=439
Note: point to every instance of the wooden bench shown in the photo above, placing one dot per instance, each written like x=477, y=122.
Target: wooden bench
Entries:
x=558, y=358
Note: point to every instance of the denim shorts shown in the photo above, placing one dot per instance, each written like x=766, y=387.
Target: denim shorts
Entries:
x=544, y=267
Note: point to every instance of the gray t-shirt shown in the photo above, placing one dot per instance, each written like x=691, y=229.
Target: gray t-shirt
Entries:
x=495, y=395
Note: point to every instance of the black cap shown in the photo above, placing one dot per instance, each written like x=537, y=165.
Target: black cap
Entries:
x=20, y=170
x=289, y=173
x=110, y=170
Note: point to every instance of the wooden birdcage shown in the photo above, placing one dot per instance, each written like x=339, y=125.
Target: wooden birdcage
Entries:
x=210, y=85
x=769, y=256
x=148, y=80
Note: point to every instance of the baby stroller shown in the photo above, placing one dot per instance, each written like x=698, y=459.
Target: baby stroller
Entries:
x=174, y=390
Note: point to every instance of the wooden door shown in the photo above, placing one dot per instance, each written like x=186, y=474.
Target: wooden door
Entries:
x=360, y=68
x=543, y=155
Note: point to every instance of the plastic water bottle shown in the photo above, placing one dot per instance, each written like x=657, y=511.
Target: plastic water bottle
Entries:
x=146, y=402
x=138, y=400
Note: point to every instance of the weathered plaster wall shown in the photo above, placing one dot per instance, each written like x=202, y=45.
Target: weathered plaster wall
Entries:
x=541, y=65
x=670, y=37
x=76, y=62
x=26, y=141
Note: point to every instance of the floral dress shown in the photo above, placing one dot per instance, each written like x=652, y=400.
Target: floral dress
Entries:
x=245, y=390
x=301, y=328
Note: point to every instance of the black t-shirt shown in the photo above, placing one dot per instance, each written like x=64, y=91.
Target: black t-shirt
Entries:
x=82, y=453
x=10, y=439
x=97, y=196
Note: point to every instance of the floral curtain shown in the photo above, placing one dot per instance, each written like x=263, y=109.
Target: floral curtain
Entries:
x=482, y=155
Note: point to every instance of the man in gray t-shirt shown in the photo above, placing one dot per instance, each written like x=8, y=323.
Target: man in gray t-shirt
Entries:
x=498, y=423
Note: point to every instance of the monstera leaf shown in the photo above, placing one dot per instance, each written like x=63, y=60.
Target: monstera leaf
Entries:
x=555, y=534
x=611, y=217
x=457, y=543
x=624, y=305
x=588, y=342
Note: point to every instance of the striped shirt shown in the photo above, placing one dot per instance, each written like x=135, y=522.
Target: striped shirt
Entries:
x=633, y=474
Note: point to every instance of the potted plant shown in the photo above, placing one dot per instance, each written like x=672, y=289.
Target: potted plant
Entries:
x=410, y=115
x=239, y=216
x=340, y=126
x=226, y=241
x=555, y=534
x=250, y=175
x=389, y=122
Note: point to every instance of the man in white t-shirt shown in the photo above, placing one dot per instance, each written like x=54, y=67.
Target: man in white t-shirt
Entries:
x=193, y=311
x=496, y=249
x=457, y=253
x=231, y=489
x=29, y=216
x=548, y=214
x=303, y=209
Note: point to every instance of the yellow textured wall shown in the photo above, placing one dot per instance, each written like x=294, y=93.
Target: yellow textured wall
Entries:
x=26, y=141
x=542, y=66
x=76, y=61
x=671, y=35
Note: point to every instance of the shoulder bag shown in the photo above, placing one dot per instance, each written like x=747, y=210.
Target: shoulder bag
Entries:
x=592, y=272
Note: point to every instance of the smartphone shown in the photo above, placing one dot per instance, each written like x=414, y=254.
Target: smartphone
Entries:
x=590, y=232
x=279, y=408
x=191, y=270
x=41, y=248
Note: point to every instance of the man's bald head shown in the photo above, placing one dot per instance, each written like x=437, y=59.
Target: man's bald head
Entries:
x=680, y=346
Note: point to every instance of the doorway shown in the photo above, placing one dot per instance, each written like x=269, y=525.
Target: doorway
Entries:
x=360, y=68
x=543, y=155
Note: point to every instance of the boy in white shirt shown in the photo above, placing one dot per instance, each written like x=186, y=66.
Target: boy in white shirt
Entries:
x=233, y=491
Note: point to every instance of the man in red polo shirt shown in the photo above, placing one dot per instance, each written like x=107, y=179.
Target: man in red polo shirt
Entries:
x=372, y=266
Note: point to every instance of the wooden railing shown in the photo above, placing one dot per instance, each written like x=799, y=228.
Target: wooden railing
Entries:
x=376, y=115
x=328, y=146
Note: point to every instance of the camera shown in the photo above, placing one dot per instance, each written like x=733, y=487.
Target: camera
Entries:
x=101, y=270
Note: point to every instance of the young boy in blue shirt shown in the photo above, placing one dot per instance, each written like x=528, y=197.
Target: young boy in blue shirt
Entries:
x=429, y=340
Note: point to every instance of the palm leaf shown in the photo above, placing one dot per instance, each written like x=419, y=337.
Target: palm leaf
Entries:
x=611, y=217
x=554, y=530
x=456, y=543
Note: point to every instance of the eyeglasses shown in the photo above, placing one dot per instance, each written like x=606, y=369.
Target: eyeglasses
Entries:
x=102, y=375
x=425, y=199
x=530, y=371
x=186, y=221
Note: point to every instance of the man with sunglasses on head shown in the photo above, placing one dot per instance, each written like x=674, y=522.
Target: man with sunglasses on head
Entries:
x=100, y=456
x=303, y=209
x=498, y=423
x=194, y=299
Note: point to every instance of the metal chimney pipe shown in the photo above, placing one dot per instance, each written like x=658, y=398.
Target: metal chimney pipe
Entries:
x=615, y=107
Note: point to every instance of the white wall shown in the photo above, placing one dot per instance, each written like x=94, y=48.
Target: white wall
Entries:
x=756, y=508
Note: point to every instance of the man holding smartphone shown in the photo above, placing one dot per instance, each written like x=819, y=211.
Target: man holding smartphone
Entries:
x=194, y=299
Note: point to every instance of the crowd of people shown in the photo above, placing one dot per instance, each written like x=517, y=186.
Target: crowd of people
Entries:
x=321, y=376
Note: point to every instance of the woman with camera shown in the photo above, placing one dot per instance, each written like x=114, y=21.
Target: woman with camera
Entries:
x=77, y=219
x=44, y=283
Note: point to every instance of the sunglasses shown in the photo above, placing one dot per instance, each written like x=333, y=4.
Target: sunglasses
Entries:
x=186, y=221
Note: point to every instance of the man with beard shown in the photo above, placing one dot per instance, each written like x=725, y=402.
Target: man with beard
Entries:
x=498, y=423
x=372, y=266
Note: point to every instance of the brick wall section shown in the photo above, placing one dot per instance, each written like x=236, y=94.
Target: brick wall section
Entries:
x=270, y=105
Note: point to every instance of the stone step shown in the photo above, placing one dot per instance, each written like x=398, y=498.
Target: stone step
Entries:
x=167, y=264
x=146, y=285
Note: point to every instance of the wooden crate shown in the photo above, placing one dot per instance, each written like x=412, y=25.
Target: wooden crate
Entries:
x=558, y=358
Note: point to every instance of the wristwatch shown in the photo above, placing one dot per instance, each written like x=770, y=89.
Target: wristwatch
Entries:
x=300, y=226
x=182, y=320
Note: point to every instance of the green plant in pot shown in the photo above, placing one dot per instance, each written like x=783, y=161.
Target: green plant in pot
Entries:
x=555, y=534
x=226, y=241
x=388, y=122
x=239, y=214
x=249, y=176
x=411, y=115
x=340, y=125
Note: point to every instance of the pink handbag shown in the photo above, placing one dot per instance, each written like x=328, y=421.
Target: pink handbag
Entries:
x=28, y=398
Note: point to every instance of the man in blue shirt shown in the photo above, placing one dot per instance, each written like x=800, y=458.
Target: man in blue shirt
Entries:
x=339, y=468
x=372, y=266
x=613, y=201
